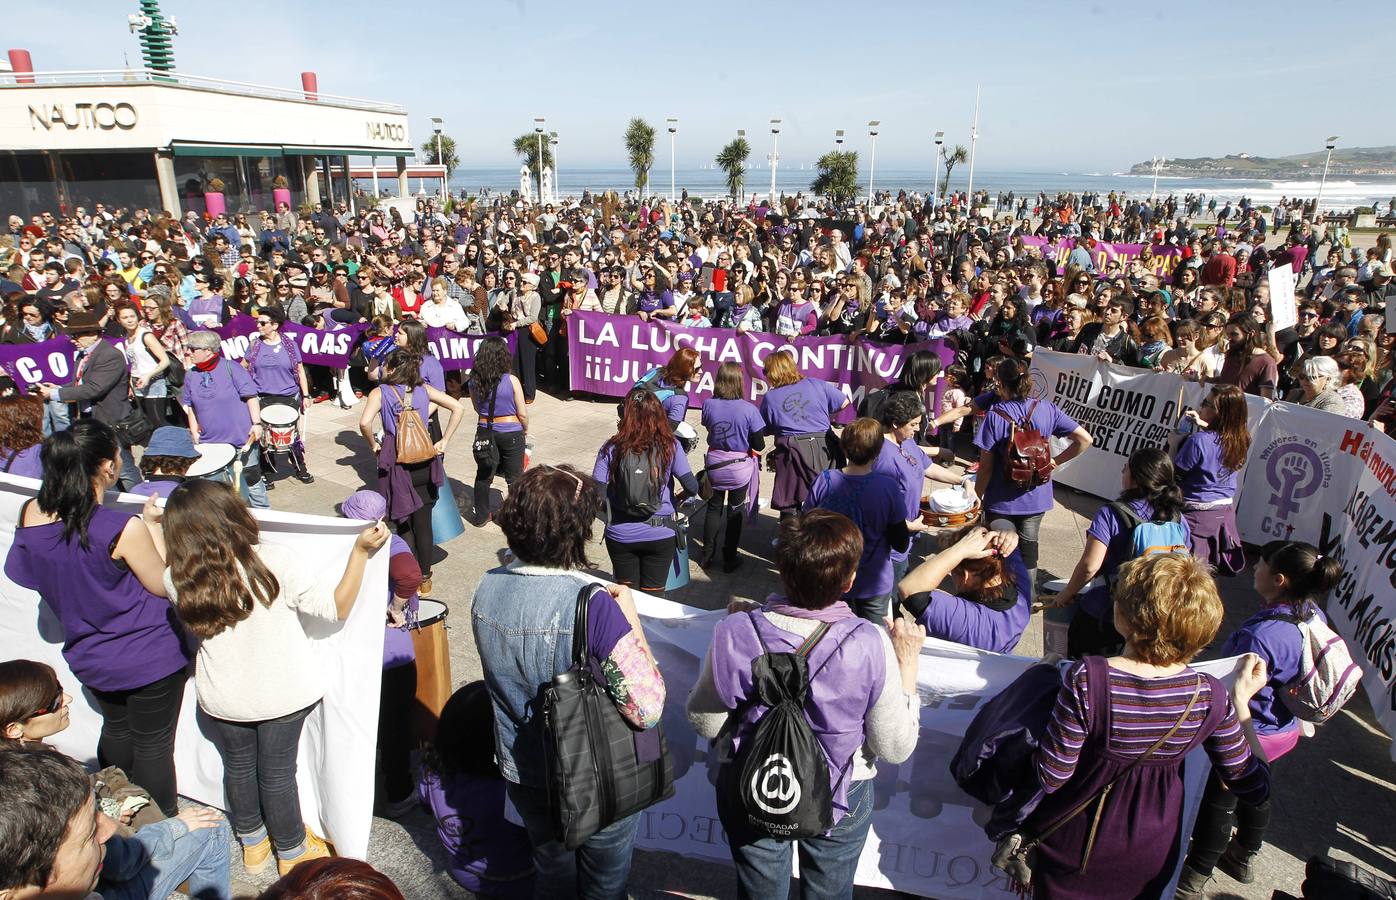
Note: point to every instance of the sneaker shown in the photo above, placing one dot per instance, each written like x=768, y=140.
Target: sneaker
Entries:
x=305, y=477
x=315, y=848
x=731, y=565
x=425, y=589
x=256, y=858
x=972, y=469
x=400, y=808
x=1238, y=862
x=1192, y=885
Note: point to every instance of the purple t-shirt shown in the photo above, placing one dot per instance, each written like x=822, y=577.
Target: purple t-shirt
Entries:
x=219, y=400
x=116, y=634
x=731, y=423
x=797, y=318
x=432, y=372
x=25, y=462
x=906, y=464
x=273, y=366
x=1107, y=528
x=801, y=408
x=873, y=503
x=1279, y=643
x=649, y=301
x=392, y=395
x=1002, y=496
x=631, y=531
x=1201, y=474
x=953, y=618
x=503, y=405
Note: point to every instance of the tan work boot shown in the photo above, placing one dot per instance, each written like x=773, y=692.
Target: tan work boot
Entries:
x=315, y=848
x=256, y=858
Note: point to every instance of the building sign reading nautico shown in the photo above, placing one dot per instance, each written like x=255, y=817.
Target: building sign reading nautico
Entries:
x=386, y=131
x=87, y=116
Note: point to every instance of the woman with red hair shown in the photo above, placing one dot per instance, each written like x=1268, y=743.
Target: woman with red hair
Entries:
x=638, y=465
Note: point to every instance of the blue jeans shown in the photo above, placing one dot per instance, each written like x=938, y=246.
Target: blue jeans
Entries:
x=597, y=870
x=257, y=491
x=259, y=777
x=57, y=417
x=827, y=863
x=162, y=856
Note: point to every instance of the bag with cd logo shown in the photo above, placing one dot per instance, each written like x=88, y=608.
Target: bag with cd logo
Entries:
x=777, y=783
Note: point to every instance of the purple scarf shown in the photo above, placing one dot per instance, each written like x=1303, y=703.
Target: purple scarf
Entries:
x=834, y=612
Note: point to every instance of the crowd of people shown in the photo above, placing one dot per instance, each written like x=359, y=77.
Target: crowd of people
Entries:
x=188, y=585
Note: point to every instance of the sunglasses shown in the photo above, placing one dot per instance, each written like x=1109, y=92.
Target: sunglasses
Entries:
x=264, y=321
x=52, y=706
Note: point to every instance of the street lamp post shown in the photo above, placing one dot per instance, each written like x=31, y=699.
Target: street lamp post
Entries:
x=673, y=130
x=557, y=180
x=1330, y=143
x=775, y=157
x=1158, y=164
x=538, y=124
x=935, y=169
x=436, y=123
x=973, y=143
x=741, y=185
x=872, y=158
x=838, y=140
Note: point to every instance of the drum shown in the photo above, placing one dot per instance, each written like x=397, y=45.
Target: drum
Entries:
x=1056, y=623
x=278, y=427
x=433, y=651
x=946, y=509
x=215, y=462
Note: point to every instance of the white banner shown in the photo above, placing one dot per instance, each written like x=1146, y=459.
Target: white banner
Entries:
x=1124, y=409
x=1331, y=481
x=927, y=835
x=337, y=746
x=1283, y=310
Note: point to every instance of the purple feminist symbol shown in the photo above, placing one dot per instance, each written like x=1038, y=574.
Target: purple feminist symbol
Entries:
x=1295, y=473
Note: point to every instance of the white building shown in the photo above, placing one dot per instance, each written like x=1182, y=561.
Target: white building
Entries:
x=158, y=139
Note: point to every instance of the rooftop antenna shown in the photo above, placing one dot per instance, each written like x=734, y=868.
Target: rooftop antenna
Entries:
x=155, y=32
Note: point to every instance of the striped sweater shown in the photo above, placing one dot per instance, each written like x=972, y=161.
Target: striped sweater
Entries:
x=1142, y=711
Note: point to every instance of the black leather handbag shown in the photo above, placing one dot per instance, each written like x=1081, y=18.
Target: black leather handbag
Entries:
x=600, y=769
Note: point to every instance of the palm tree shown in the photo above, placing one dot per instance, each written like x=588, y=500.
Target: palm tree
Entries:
x=732, y=160
x=639, y=143
x=526, y=145
x=838, y=176
x=952, y=158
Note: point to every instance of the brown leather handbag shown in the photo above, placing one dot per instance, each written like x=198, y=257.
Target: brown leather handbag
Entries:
x=413, y=442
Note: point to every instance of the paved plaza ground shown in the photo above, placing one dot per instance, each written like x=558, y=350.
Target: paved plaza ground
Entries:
x=1335, y=793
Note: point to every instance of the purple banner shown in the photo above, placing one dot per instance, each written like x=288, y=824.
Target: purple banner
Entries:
x=52, y=361
x=30, y=364
x=1164, y=260
x=608, y=354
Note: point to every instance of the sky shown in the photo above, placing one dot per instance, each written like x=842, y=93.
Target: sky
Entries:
x=1065, y=86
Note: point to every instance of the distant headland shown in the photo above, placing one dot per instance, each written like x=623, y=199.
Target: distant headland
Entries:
x=1348, y=162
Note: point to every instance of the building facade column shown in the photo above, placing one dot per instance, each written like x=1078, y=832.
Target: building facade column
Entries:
x=165, y=180
x=311, y=169
x=402, y=188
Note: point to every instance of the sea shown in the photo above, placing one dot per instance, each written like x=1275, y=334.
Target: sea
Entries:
x=1338, y=194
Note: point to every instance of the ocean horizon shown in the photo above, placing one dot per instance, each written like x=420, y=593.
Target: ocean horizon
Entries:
x=1338, y=193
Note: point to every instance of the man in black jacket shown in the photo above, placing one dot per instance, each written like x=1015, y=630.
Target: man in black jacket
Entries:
x=1109, y=339
x=101, y=385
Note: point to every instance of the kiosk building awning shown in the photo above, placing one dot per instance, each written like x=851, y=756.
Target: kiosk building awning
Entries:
x=223, y=150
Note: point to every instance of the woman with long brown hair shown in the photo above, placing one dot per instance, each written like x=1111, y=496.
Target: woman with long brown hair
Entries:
x=1210, y=448
x=256, y=676
x=641, y=535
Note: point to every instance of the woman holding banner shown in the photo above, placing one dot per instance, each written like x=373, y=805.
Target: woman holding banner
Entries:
x=257, y=677
x=732, y=465
x=1207, y=461
x=99, y=573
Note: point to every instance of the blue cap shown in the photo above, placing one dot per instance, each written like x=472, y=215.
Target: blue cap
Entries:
x=168, y=440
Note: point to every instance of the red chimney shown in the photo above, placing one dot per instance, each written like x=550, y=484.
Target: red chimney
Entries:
x=311, y=85
x=23, y=66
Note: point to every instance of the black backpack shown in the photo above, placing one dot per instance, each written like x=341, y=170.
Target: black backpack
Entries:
x=636, y=478
x=778, y=781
